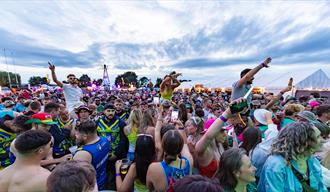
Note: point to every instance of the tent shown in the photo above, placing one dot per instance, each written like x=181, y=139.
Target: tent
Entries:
x=316, y=81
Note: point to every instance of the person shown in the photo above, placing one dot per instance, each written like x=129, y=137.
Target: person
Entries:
x=64, y=120
x=161, y=176
x=34, y=107
x=241, y=87
x=132, y=129
x=197, y=183
x=291, y=165
x=323, y=113
x=7, y=135
x=62, y=137
x=194, y=127
x=20, y=124
x=145, y=154
x=290, y=113
x=235, y=170
x=83, y=112
x=119, y=105
x=72, y=92
x=148, y=123
x=251, y=137
x=93, y=149
x=72, y=176
x=26, y=174
x=168, y=85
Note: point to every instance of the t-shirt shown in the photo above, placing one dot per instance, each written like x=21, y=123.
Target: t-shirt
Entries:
x=240, y=91
x=72, y=96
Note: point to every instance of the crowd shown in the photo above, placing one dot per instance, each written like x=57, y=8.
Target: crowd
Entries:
x=145, y=140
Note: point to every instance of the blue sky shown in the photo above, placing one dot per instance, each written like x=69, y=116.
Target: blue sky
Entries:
x=209, y=42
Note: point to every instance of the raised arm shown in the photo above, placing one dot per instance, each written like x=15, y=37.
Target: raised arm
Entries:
x=278, y=96
x=158, y=139
x=254, y=71
x=52, y=69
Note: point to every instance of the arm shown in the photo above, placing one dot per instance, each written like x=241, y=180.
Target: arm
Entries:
x=52, y=69
x=162, y=85
x=83, y=156
x=254, y=71
x=277, y=98
x=128, y=183
x=158, y=140
x=51, y=161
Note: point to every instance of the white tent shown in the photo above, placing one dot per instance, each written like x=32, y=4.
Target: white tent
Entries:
x=317, y=80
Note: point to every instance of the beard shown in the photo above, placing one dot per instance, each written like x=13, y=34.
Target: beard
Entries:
x=80, y=142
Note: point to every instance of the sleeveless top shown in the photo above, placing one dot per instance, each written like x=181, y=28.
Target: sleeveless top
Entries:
x=140, y=187
x=172, y=174
x=132, y=137
x=167, y=94
x=210, y=169
x=5, y=140
x=100, y=152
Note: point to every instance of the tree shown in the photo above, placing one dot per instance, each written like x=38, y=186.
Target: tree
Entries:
x=37, y=80
x=84, y=80
x=4, y=79
x=126, y=79
x=158, y=82
x=143, y=82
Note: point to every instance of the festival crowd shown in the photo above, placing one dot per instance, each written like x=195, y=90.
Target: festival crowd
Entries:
x=166, y=140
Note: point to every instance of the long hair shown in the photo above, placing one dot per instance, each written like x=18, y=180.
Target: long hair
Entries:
x=183, y=114
x=145, y=154
x=294, y=139
x=172, y=144
x=251, y=137
x=230, y=162
x=197, y=122
x=134, y=120
x=147, y=120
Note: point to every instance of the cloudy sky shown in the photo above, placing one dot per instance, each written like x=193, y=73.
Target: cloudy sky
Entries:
x=209, y=42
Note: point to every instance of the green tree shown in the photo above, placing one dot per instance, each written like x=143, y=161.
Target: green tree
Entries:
x=158, y=82
x=4, y=81
x=37, y=80
x=126, y=79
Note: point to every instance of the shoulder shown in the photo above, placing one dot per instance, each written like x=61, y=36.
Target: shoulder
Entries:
x=82, y=155
x=275, y=163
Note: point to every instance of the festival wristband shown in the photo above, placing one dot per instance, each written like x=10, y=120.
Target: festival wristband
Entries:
x=223, y=118
x=118, y=174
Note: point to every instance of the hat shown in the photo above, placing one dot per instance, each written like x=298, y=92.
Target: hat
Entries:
x=259, y=115
x=9, y=103
x=313, y=103
x=41, y=118
x=209, y=122
x=109, y=106
x=83, y=107
x=307, y=115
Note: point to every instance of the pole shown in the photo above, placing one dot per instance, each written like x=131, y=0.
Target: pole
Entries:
x=17, y=83
x=9, y=80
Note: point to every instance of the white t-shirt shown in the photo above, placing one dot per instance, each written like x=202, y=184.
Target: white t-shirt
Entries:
x=72, y=96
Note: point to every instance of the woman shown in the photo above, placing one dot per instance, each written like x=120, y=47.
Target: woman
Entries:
x=176, y=163
x=291, y=165
x=290, y=113
x=168, y=85
x=148, y=123
x=132, y=129
x=183, y=113
x=194, y=127
x=235, y=171
x=251, y=138
x=145, y=154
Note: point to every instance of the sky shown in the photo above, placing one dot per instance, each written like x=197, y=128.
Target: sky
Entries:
x=210, y=42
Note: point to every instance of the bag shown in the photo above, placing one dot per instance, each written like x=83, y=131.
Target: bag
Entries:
x=303, y=181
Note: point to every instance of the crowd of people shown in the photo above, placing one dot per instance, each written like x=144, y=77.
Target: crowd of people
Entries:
x=145, y=140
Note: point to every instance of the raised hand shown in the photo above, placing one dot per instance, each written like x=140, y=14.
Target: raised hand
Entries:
x=51, y=66
x=266, y=62
x=289, y=87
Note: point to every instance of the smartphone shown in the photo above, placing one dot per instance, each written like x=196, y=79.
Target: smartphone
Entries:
x=238, y=107
x=174, y=115
x=156, y=100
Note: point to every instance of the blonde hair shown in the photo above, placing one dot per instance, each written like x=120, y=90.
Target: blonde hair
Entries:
x=293, y=109
x=134, y=121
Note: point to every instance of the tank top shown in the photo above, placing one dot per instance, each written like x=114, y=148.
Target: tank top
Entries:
x=132, y=137
x=100, y=152
x=167, y=94
x=210, y=169
x=172, y=174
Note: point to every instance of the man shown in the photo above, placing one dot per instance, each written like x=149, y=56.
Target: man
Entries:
x=34, y=107
x=73, y=176
x=241, y=87
x=94, y=150
x=83, y=113
x=19, y=107
x=62, y=137
x=72, y=92
x=323, y=113
x=112, y=127
x=7, y=135
x=119, y=105
x=64, y=119
x=26, y=174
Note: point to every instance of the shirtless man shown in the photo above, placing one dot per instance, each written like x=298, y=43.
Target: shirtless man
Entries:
x=26, y=174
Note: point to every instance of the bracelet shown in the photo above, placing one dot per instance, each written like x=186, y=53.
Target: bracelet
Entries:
x=118, y=174
x=223, y=118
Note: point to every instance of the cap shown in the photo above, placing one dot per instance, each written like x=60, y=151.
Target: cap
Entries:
x=109, y=106
x=83, y=107
x=41, y=118
x=9, y=103
x=259, y=115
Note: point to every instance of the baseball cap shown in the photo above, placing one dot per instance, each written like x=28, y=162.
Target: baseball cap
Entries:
x=83, y=107
x=41, y=118
x=109, y=106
